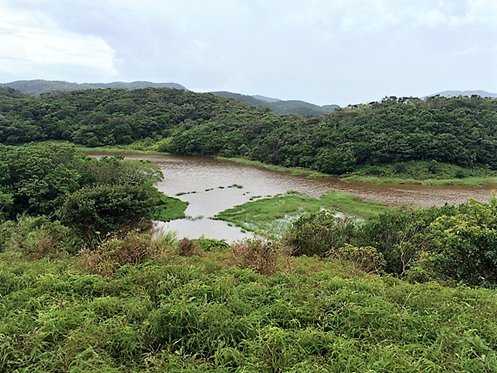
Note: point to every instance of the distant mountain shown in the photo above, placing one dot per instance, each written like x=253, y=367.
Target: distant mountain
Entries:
x=249, y=100
x=464, y=93
x=279, y=107
x=267, y=99
x=11, y=92
x=37, y=87
x=300, y=108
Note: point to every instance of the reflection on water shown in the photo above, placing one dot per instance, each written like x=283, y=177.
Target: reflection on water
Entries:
x=207, y=181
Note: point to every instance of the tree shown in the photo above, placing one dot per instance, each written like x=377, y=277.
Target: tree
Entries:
x=97, y=212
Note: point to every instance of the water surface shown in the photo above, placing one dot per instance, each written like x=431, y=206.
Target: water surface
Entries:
x=206, y=181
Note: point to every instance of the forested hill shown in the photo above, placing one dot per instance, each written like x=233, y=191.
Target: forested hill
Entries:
x=40, y=86
x=280, y=107
x=460, y=130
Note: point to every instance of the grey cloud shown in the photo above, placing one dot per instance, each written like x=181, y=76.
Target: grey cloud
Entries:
x=319, y=50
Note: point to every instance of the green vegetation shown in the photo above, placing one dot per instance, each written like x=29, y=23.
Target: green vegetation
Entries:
x=429, y=173
x=292, y=170
x=455, y=244
x=82, y=288
x=135, y=304
x=90, y=292
x=435, y=138
x=271, y=217
x=169, y=208
x=94, y=197
x=280, y=107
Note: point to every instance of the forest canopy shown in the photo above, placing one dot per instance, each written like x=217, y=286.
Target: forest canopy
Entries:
x=460, y=131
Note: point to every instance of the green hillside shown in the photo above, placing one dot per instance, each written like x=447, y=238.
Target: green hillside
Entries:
x=280, y=107
x=395, y=132
x=39, y=86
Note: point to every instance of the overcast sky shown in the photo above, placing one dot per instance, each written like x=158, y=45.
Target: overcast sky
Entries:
x=320, y=51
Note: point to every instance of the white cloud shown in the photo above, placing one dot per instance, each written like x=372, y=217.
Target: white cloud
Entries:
x=31, y=40
x=318, y=50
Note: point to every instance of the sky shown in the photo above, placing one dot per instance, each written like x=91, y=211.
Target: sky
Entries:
x=320, y=51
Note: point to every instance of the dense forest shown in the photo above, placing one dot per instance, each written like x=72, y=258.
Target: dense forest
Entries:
x=460, y=131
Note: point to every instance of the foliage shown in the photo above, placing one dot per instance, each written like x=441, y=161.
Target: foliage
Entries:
x=366, y=258
x=36, y=179
x=182, y=314
x=36, y=237
x=466, y=244
x=210, y=244
x=100, y=211
x=259, y=254
x=407, y=137
x=116, y=252
x=401, y=235
x=320, y=233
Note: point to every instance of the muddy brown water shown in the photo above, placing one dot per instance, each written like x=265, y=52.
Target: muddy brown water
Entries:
x=206, y=183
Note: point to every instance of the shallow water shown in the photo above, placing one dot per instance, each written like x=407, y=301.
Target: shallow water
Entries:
x=206, y=182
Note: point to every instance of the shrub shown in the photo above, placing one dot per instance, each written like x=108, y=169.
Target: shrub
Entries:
x=98, y=212
x=258, y=254
x=36, y=236
x=466, y=245
x=366, y=258
x=319, y=233
x=186, y=247
x=117, y=252
x=210, y=244
x=401, y=235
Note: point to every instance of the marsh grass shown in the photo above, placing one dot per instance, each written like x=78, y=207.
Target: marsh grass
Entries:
x=169, y=208
x=291, y=170
x=271, y=217
x=424, y=172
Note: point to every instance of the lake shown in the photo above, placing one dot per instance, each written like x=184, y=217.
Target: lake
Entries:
x=208, y=184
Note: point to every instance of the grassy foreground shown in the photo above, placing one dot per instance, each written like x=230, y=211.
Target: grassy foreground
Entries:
x=206, y=313
x=271, y=217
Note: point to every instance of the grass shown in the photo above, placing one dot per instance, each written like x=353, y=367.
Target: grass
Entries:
x=414, y=172
x=169, y=208
x=271, y=217
x=424, y=172
x=292, y=170
x=205, y=313
x=468, y=181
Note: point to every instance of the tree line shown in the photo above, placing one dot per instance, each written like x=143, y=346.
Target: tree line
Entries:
x=461, y=130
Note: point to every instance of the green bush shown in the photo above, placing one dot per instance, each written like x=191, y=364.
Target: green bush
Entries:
x=97, y=212
x=116, y=252
x=401, y=235
x=319, y=233
x=466, y=245
x=366, y=259
x=37, y=236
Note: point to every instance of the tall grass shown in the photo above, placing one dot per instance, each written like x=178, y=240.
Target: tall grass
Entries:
x=181, y=314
